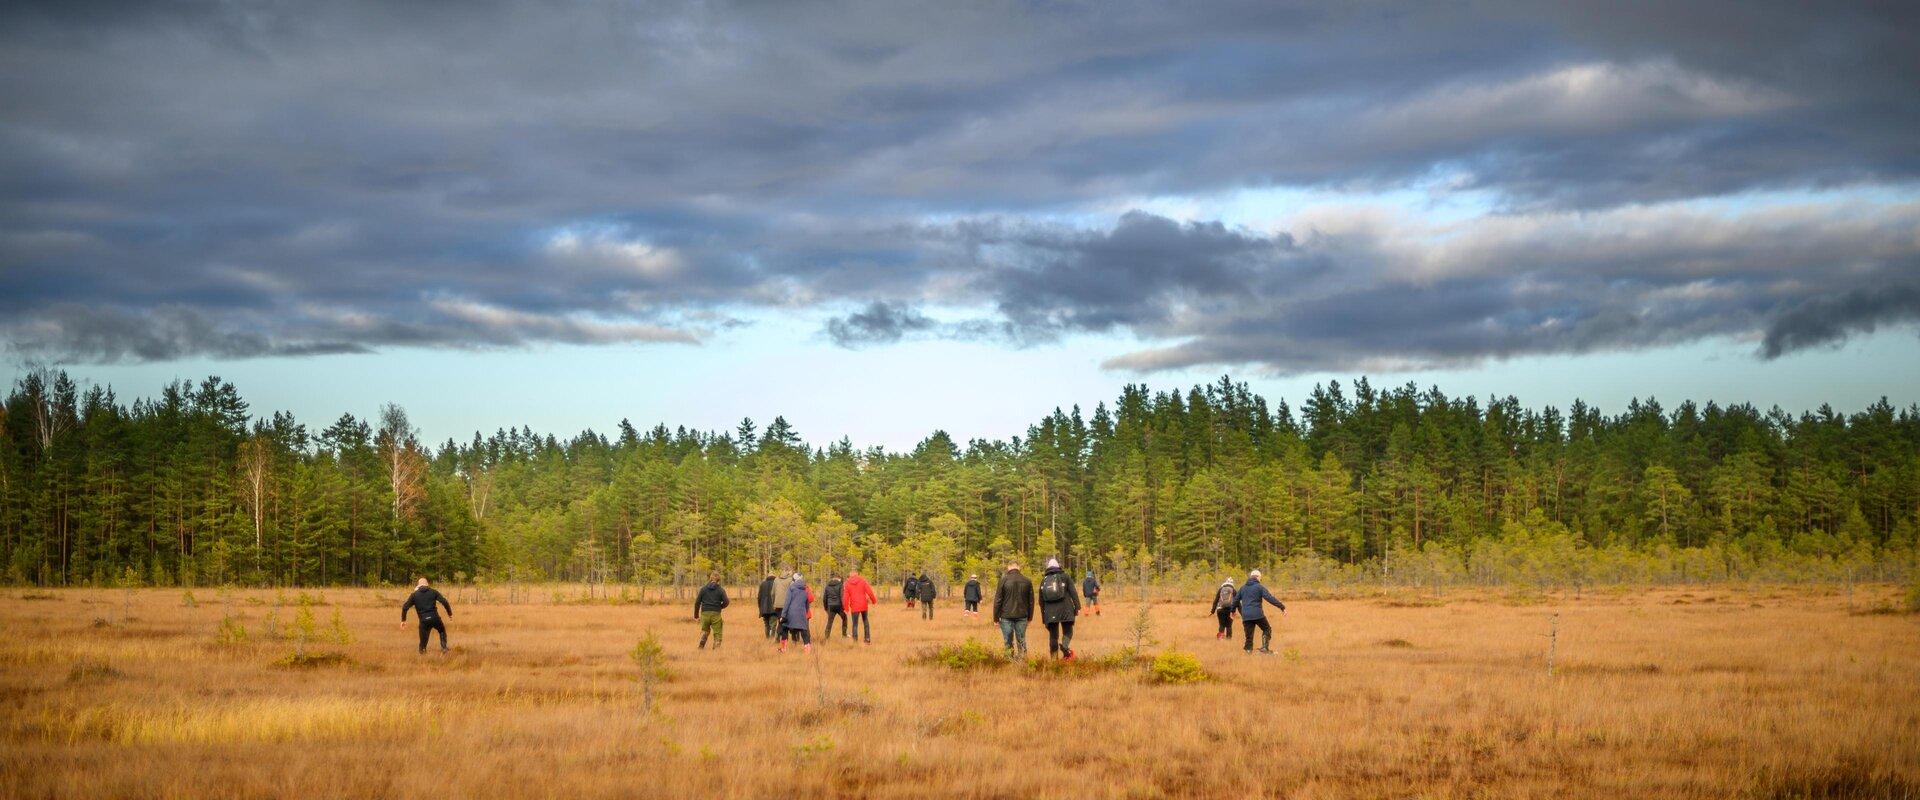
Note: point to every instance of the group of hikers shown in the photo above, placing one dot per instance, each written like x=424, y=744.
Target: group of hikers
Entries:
x=786, y=608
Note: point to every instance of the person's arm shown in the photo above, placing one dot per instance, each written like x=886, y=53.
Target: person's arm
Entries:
x=724, y=599
x=442, y=600
x=697, y=597
x=996, y=600
x=1268, y=596
x=405, y=606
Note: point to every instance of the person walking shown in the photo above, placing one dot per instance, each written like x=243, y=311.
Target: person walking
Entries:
x=910, y=588
x=427, y=601
x=1091, y=588
x=797, y=614
x=1253, y=615
x=1225, y=600
x=1013, y=609
x=1059, y=605
x=833, y=599
x=971, y=594
x=780, y=586
x=707, y=606
x=769, y=610
x=927, y=591
x=857, y=596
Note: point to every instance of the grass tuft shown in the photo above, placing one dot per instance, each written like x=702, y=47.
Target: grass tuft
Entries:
x=1177, y=667
x=313, y=660
x=971, y=654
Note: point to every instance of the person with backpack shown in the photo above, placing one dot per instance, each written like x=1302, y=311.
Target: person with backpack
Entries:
x=797, y=614
x=1013, y=609
x=427, y=601
x=972, y=595
x=1225, y=600
x=832, y=599
x=1253, y=615
x=1091, y=588
x=1059, y=604
x=769, y=610
x=857, y=596
x=927, y=590
x=707, y=606
x=780, y=587
x=910, y=589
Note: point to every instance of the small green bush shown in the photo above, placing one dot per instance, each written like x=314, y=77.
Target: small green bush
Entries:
x=1176, y=667
x=968, y=655
x=232, y=632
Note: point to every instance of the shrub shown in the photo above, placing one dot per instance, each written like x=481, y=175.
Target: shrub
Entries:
x=231, y=631
x=968, y=655
x=1176, y=667
x=337, y=631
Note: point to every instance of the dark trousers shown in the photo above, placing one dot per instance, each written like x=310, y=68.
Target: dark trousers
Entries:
x=831, y=614
x=1266, y=633
x=429, y=624
x=772, y=623
x=1059, y=637
x=859, y=619
x=973, y=606
x=926, y=609
x=801, y=635
x=1226, y=622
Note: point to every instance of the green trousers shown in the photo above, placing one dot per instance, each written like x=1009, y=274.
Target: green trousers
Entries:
x=710, y=622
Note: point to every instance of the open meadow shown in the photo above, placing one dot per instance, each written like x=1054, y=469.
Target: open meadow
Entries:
x=1700, y=692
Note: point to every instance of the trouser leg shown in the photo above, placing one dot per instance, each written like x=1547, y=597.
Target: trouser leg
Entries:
x=426, y=630
x=1020, y=634
x=1266, y=634
x=1246, y=628
x=1006, y=633
x=1066, y=637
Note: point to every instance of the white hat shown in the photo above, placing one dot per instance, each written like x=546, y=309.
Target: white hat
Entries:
x=1053, y=563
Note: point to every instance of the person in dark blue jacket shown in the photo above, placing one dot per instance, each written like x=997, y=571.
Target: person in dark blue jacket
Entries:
x=796, y=616
x=1091, y=589
x=1253, y=615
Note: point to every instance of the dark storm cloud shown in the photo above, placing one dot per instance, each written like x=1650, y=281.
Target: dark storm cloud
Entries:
x=1830, y=318
x=240, y=178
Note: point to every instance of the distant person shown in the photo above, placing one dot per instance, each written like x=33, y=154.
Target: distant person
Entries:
x=796, y=614
x=858, y=596
x=972, y=595
x=1225, y=600
x=910, y=588
x=926, y=588
x=1059, y=605
x=707, y=607
x=1013, y=609
x=1091, y=588
x=1253, y=615
x=833, y=597
x=427, y=601
x=769, y=610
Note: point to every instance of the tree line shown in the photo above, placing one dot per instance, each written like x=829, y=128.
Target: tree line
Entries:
x=1360, y=483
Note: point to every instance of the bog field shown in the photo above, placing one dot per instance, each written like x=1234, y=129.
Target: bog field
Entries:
x=1702, y=692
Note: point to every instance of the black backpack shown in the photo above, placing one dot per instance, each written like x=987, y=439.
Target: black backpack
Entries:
x=1053, y=588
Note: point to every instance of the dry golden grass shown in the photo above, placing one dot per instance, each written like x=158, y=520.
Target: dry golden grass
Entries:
x=1753, y=692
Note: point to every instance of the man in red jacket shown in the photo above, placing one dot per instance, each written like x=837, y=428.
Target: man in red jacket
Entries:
x=856, y=596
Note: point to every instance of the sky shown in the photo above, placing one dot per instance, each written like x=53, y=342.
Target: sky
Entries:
x=878, y=219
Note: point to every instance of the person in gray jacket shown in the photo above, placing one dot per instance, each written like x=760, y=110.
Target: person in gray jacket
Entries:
x=1253, y=613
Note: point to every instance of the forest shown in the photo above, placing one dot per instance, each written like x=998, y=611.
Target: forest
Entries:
x=1358, y=485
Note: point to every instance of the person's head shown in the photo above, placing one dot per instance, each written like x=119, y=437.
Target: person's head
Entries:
x=769, y=576
x=1053, y=563
x=974, y=576
x=853, y=573
x=1227, y=582
x=796, y=576
x=1013, y=566
x=833, y=576
x=422, y=584
x=1089, y=573
x=713, y=577
x=1254, y=575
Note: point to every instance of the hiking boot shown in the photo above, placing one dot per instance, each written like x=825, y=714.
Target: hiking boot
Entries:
x=1265, y=652
x=1068, y=656
x=783, y=645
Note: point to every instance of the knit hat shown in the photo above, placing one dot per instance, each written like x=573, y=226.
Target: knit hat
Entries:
x=1053, y=563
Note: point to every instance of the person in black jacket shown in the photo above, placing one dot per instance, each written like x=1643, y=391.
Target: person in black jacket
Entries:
x=972, y=595
x=707, y=607
x=926, y=589
x=832, y=599
x=1059, y=604
x=1253, y=615
x=1091, y=588
x=910, y=589
x=427, y=601
x=1013, y=609
x=769, y=610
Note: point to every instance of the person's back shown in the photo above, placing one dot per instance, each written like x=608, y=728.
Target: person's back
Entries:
x=780, y=589
x=926, y=588
x=426, y=602
x=707, y=607
x=858, y=596
x=1253, y=615
x=1012, y=609
x=831, y=597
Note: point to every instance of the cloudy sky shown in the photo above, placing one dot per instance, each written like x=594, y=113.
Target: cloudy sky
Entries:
x=879, y=218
